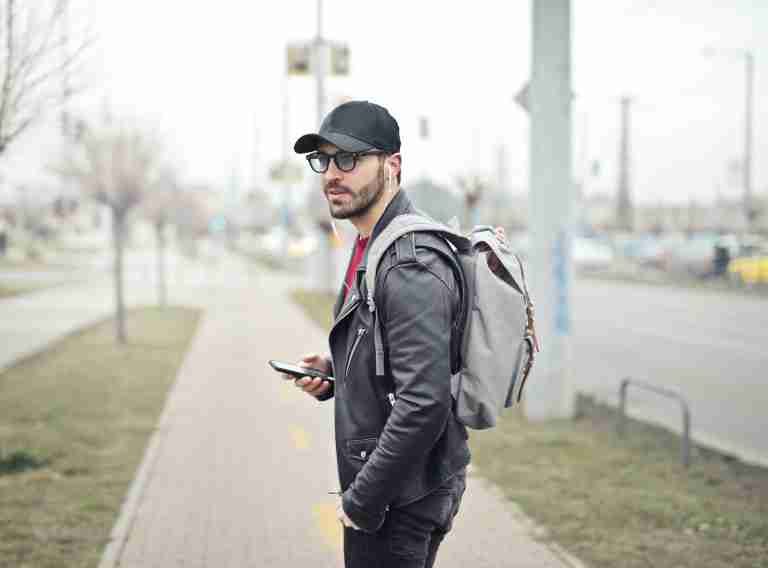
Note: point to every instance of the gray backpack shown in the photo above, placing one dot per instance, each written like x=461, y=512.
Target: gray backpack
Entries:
x=498, y=340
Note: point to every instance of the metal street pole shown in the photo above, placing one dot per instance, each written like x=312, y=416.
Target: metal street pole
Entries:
x=326, y=270
x=549, y=394
x=320, y=64
x=286, y=201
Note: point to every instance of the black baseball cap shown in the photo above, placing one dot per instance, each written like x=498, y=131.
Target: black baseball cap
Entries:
x=355, y=126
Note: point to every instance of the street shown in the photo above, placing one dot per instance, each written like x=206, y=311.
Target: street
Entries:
x=711, y=346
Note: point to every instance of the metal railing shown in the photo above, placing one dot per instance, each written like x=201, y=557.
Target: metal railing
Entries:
x=685, y=443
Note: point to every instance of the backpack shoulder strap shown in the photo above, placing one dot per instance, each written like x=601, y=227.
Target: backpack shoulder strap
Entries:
x=399, y=226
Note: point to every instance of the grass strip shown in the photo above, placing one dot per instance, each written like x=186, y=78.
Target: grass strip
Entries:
x=7, y=291
x=317, y=305
x=10, y=290
x=628, y=503
x=614, y=502
x=75, y=423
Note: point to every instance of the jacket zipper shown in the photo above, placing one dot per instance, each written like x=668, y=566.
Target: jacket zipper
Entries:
x=353, y=301
x=391, y=397
x=360, y=334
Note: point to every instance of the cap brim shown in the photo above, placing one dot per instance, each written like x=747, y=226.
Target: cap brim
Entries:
x=310, y=143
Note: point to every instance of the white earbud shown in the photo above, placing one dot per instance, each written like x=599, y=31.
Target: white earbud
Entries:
x=389, y=175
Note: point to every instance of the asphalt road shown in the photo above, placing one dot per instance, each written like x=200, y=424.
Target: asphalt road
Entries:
x=711, y=346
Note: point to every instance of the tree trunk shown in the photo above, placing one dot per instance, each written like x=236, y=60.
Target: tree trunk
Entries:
x=161, y=247
x=118, y=241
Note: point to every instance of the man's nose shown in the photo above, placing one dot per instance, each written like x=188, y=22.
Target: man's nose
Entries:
x=333, y=173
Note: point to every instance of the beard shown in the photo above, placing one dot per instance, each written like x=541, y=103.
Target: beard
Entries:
x=360, y=202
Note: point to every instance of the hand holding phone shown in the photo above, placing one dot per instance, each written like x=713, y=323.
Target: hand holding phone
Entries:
x=297, y=371
x=307, y=376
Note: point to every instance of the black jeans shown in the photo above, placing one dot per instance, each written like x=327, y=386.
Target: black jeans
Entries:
x=410, y=535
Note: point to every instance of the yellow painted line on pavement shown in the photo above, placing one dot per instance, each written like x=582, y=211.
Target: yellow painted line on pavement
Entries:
x=300, y=437
x=288, y=391
x=328, y=524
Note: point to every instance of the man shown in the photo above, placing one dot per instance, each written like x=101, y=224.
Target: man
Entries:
x=401, y=453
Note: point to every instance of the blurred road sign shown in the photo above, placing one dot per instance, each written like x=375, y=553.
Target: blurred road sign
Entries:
x=286, y=172
x=423, y=127
x=339, y=59
x=522, y=99
x=298, y=58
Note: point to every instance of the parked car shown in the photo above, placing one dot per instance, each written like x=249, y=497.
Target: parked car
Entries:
x=591, y=254
x=749, y=270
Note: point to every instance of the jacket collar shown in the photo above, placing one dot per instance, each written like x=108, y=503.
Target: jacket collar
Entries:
x=399, y=205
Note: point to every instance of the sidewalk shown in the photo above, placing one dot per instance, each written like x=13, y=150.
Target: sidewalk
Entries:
x=30, y=322
x=238, y=471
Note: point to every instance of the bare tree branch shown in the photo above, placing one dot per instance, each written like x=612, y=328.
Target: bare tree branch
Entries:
x=115, y=165
x=36, y=61
x=7, y=85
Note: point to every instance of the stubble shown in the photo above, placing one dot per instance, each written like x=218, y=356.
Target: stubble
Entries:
x=361, y=201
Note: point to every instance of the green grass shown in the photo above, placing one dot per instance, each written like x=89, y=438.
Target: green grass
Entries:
x=74, y=422
x=10, y=290
x=34, y=265
x=317, y=305
x=628, y=503
x=619, y=503
x=7, y=264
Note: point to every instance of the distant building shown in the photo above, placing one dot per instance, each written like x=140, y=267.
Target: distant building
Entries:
x=440, y=202
x=598, y=213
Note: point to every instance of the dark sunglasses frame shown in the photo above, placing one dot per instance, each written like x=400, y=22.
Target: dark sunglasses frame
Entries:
x=336, y=157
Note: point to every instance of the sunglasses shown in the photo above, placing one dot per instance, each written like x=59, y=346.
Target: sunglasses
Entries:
x=345, y=161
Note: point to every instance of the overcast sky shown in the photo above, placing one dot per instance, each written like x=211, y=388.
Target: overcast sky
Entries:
x=209, y=77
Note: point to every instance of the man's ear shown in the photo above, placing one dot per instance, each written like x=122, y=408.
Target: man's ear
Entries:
x=394, y=161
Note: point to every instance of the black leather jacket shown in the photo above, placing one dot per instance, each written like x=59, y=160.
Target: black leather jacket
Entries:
x=396, y=436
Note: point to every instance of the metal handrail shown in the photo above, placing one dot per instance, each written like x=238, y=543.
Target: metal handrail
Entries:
x=685, y=447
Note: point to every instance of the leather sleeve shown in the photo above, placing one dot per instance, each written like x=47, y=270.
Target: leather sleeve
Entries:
x=329, y=394
x=417, y=312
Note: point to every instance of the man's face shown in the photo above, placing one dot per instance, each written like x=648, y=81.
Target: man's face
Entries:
x=352, y=194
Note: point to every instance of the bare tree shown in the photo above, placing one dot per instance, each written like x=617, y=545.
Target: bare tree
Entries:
x=116, y=166
x=36, y=63
x=472, y=187
x=191, y=217
x=158, y=208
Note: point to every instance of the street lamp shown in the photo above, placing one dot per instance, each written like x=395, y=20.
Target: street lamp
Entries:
x=748, y=57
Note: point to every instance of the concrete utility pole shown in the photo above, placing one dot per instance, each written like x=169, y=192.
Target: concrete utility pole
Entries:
x=750, y=211
x=749, y=207
x=502, y=169
x=549, y=393
x=624, y=217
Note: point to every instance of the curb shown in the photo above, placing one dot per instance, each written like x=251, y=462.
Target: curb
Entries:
x=535, y=532
x=123, y=527
x=541, y=535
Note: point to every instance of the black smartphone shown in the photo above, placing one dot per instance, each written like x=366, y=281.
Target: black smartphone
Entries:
x=296, y=371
